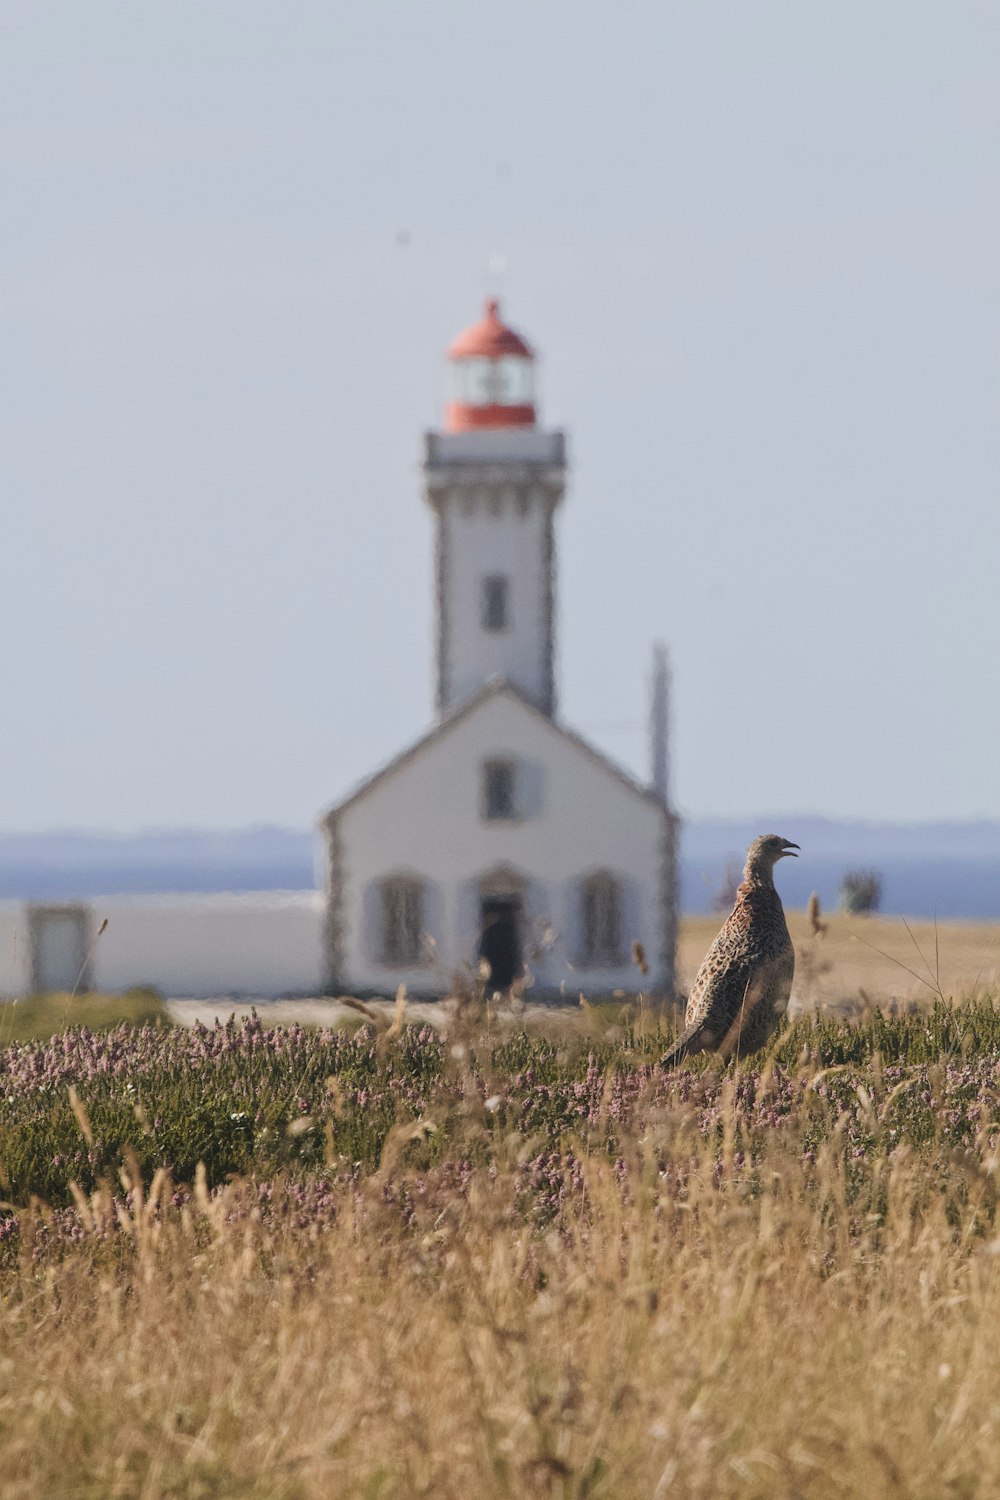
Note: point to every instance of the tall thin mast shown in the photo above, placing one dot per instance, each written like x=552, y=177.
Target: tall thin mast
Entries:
x=659, y=723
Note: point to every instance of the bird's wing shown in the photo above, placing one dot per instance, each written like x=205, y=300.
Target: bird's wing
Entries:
x=726, y=1005
x=728, y=955
x=723, y=985
x=727, y=995
x=754, y=1012
x=784, y=970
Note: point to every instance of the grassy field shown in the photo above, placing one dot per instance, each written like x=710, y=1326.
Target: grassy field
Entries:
x=854, y=964
x=38, y=1017
x=302, y=1263
x=859, y=961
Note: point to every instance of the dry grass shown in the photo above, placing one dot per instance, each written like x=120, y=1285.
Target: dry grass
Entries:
x=841, y=968
x=703, y=1333
x=787, y=1316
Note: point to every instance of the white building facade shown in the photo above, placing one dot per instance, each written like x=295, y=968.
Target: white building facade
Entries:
x=500, y=835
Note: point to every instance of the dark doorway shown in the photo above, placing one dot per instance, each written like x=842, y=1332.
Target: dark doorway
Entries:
x=500, y=943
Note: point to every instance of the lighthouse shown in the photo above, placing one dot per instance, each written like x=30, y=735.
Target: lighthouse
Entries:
x=494, y=478
x=500, y=846
x=498, y=849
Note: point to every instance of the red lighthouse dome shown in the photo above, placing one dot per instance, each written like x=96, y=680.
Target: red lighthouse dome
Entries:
x=492, y=377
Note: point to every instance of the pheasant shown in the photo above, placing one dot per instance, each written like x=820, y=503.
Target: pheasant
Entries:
x=743, y=985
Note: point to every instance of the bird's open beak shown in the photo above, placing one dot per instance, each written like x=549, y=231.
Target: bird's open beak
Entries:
x=787, y=849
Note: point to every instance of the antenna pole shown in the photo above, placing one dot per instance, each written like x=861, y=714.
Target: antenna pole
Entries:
x=659, y=723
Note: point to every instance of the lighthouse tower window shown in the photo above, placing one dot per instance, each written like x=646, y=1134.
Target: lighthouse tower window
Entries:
x=496, y=597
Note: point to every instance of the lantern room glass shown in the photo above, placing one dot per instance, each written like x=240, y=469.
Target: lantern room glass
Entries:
x=509, y=381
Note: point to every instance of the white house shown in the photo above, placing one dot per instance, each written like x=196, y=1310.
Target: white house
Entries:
x=501, y=834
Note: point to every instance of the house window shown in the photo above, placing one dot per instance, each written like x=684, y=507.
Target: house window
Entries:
x=402, y=919
x=496, y=598
x=602, y=920
x=498, y=790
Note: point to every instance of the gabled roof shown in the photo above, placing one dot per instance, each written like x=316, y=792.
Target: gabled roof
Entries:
x=497, y=687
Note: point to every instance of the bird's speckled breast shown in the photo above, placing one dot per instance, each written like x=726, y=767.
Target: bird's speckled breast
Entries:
x=759, y=911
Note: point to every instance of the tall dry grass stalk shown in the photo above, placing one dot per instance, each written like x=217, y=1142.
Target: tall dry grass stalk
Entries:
x=688, y=1326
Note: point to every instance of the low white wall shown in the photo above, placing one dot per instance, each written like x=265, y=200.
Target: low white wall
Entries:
x=259, y=943
x=15, y=952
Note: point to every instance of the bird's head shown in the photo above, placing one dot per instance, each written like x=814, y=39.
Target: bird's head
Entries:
x=764, y=853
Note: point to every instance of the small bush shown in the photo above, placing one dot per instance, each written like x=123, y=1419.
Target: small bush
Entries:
x=861, y=892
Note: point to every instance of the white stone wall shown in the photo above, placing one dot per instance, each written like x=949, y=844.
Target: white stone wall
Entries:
x=425, y=818
x=256, y=944
x=485, y=536
x=494, y=494
x=15, y=950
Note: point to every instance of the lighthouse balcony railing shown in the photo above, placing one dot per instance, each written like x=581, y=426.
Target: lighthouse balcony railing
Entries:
x=492, y=446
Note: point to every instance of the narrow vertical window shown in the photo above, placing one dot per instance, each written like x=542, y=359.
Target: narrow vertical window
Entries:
x=402, y=919
x=602, y=920
x=498, y=790
x=496, y=592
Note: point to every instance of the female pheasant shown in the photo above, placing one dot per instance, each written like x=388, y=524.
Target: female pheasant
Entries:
x=743, y=986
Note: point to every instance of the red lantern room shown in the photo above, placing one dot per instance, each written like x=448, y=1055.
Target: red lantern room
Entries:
x=492, y=377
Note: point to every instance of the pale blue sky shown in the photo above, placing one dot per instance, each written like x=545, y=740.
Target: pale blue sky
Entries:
x=758, y=245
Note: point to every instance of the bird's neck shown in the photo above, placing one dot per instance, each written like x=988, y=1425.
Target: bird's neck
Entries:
x=757, y=878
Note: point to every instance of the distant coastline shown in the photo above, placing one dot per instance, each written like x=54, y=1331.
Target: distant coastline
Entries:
x=949, y=870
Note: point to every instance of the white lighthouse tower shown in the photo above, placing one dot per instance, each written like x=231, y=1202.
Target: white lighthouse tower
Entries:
x=500, y=841
x=494, y=478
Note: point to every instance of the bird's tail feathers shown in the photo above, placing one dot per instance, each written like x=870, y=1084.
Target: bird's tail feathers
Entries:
x=689, y=1041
